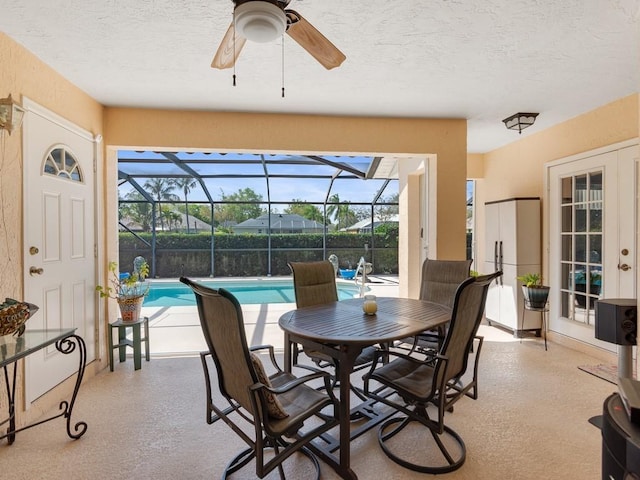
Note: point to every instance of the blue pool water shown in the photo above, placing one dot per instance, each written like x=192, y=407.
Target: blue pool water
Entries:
x=176, y=294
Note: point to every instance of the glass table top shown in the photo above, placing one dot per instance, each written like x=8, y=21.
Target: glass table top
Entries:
x=14, y=348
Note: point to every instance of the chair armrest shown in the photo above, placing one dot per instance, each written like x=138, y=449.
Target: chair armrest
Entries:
x=410, y=357
x=272, y=355
x=296, y=382
x=407, y=356
x=260, y=347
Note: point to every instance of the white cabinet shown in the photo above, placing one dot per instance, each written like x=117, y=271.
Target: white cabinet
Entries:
x=512, y=245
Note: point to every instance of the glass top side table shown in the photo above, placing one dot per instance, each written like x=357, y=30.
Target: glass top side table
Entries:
x=13, y=349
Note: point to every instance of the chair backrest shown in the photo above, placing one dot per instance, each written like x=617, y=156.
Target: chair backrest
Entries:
x=223, y=328
x=468, y=310
x=314, y=283
x=440, y=279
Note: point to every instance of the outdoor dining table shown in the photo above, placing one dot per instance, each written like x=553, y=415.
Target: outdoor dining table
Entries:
x=342, y=330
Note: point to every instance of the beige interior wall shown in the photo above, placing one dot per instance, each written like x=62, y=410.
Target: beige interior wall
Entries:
x=446, y=139
x=517, y=170
x=22, y=74
x=522, y=162
x=475, y=166
x=410, y=174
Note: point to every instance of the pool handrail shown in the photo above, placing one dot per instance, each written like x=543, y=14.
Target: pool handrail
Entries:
x=362, y=268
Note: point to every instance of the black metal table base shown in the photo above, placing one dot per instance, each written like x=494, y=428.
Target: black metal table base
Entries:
x=364, y=417
x=66, y=345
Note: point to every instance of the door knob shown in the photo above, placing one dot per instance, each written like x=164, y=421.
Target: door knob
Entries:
x=35, y=271
x=624, y=267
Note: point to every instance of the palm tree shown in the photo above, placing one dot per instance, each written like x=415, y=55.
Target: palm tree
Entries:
x=186, y=184
x=173, y=218
x=340, y=212
x=138, y=212
x=161, y=189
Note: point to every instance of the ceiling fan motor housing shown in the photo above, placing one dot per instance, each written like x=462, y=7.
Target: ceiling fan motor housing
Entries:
x=260, y=21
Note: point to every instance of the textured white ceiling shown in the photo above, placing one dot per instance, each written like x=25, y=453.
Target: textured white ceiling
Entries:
x=477, y=59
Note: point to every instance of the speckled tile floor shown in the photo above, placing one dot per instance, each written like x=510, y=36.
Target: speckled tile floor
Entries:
x=530, y=422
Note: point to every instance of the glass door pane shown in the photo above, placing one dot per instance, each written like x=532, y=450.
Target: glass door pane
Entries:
x=581, y=245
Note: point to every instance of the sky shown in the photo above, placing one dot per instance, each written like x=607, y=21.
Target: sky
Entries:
x=280, y=189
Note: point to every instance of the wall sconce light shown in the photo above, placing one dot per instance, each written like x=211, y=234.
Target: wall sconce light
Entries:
x=520, y=121
x=11, y=114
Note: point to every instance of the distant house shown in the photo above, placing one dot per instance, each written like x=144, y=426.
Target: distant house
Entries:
x=364, y=226
x=228, y=224
x=280, y=223
x=179, y=224
x=195, y=224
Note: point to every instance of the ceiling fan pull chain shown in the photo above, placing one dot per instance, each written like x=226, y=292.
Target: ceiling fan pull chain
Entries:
x=282, y=66
x=234, y=48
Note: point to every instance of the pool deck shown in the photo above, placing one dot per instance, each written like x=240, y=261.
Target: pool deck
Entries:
x=176, y=330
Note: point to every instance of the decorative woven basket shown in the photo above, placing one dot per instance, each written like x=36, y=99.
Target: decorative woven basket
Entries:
x=13, y=318
x=130, y=308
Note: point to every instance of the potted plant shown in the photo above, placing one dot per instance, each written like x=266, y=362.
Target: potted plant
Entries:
x=127, y=289
x=535, y=294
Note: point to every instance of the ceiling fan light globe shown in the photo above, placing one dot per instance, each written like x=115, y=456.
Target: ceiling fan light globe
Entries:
x=260, y=21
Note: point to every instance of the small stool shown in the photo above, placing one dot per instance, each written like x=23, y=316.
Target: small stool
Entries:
x=123, y=342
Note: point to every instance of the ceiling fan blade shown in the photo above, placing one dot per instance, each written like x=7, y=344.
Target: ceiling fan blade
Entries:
x=309, y=38
x=229, y=49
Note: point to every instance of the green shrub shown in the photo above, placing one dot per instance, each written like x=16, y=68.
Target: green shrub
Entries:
x=247, y=254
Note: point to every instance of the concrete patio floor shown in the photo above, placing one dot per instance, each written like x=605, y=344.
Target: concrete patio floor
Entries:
x=176, y=330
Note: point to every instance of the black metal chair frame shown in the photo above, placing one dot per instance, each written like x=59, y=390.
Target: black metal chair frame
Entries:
x=268, y=433
x=324, y=361
x=441, y=373
x=439, y=289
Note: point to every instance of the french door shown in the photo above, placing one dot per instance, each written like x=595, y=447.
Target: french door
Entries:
x=592, y=237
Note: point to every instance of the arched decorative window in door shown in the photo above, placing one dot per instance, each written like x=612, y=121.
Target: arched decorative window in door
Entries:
x=60, y=162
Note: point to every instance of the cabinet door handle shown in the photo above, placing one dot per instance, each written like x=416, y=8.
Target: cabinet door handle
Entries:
x=500, y=265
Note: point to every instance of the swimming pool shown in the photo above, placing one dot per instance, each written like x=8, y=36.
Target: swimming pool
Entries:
x=250, y=291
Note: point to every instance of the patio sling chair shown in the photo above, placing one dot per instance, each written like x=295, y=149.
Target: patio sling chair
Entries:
x=277, y=406
x=432, y=381
x=314, y=283
x=439, y=281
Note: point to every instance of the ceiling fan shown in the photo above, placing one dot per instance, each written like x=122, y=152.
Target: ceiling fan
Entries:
x=264, y=21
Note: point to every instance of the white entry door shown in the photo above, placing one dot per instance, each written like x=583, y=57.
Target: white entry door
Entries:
x=59, y=258
x=592, y=212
